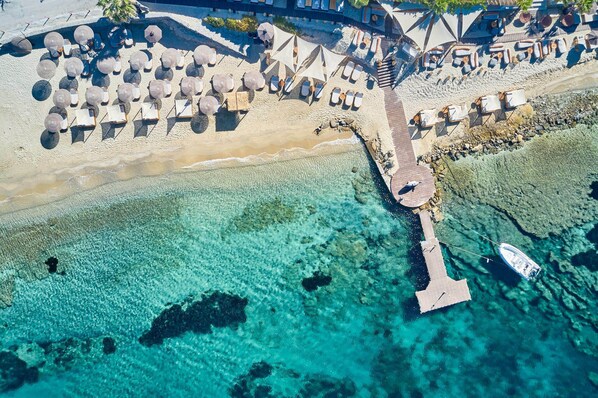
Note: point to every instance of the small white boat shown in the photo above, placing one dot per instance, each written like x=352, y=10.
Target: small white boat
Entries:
x=518, y=261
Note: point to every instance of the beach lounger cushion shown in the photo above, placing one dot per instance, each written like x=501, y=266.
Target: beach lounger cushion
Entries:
x=305, y=86
x=319, y=91
x=349, y=98
x=348, y=70
x=356, y=72
x=358, y=100
x=274, y=83
x=335, y=95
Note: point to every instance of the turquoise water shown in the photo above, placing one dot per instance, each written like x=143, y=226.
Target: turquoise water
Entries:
x=289, y=279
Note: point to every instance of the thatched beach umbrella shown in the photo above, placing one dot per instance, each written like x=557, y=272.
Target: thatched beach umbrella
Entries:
x=46, y=69
x=209, y=105
x=125, y=92
x=94, y=95
x=157, y=89
x=83, y=34
x=53, y=122
x=188, y=86
x=21, y=45
x=265, y=31
x=170, y=58
x=223, y=83
x=202, y=54
x=153, y=34
x=254, y=80
x=106, y=65
x=53, y=41
x=73, y=67
x=62, y=98
x=138, y=60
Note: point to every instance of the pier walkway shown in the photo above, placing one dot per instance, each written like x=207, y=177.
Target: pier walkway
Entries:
x=442, y=290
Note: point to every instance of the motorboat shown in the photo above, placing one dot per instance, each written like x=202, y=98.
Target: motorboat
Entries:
x=519, y=261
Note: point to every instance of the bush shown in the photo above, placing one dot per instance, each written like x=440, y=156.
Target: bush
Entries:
x=359, y=3
x=215, y=22
x=524, y=4
x=282, y=23
x=245, y=24
x=442, y=6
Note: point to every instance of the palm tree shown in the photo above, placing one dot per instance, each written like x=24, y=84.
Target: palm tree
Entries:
x=118, y=11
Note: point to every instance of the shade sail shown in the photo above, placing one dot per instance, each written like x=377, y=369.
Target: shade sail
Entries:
x=223, y=83
x=73, y=67
x=157, y=90
x=105, y=65
x=286, y=55
x=468, y=17
x=170, y=58
x=304, y=50
x=331, y=61
x=94, y=95
x=315, y=69
x=265, y=31
x=153, y=34
x=209, y=105
x=46, y=69
x=280, y=38
x=203, y=54
x=53, y=122
x=138, y=60
x=254, y=80
x=53, y=41
x=188, y=85
x=125, y=92
x=21, y=45
x=62, y=98
x=83, y=34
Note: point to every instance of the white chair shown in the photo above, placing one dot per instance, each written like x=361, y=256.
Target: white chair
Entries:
x=358, y=100
x=274, y=82
x=349, y=98
x=305, y=88
x=348, y=69
x=105, y=96
x=74, y=98
x=356, y=73
x=136, y=93
x=117, y=66
x=167, y=88
x=319, y=91
x=335, y=95
x=64, y=124
x=180, y=62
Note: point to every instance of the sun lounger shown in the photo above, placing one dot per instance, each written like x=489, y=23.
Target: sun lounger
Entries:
x=274, y=82
x=167, y=88
x=358, y=100
x=198, y=85
x=305, y=86
x=466, y=69
x=436, y=51
x=366, y=14
x=324, y=5
x=149, y=111
x=307, y=3
x=591, y=41
x=474, y=61
x=335, y=96
x=67, y=48
x=515, y=98
x=98, y=45
x=561, y=45
x=356, y=72
x=494, y=48
x=456, y=113
x=183, y=109
x=462, y=52
x=348, y=70
x=86, y=69
x=288, y=84
x=212, y=60
x=319, y=91
x=300, y=3
x=357, y=38
x=148, y=65
x=117, y=66
x=85, y=117
x=105, y=97
x=350, y=96
x=332, y=5
x=375, y=44
x=525, y=44
x=117, y=114
x=64, y=124
x=506, y=56
x=537, y=50
x=545, y=48
x=136, y=93
x=457, y=62
x=489, y=103
x=493, y=62
x=181, y=62
x=129, y=38
x=428, y=118
x=315, y=4
x=426, y=61
x=74, y=98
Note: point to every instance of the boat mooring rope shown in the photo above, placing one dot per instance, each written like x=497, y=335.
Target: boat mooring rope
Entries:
x=467, y=251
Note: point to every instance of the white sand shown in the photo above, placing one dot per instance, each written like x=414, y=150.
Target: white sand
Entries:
x=31, y=175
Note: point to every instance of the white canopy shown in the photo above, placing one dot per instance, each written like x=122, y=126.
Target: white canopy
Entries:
x=323, y=65
x=304, y=50
x=280, y=38
x=515, y=98
x=285, y=55
x=332, y=61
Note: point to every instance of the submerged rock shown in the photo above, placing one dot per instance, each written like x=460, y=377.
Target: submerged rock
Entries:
x=259, y=216
x=216, y=310
x=52, y=264
x=14, y=372
x=109, y=345
x=315, y=281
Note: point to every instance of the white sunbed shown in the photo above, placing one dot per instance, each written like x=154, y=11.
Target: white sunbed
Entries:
x=356, y=72
x=319, y=91
x=85, y=117
x=515, y=98
x=305, y=88
x=301, y=3
x=375, y=45
x=525, y=44
x=105, y=96
x=74, y=98
x=474, y=60
x=288, y=84
x=349, y=98
x=148, y=65
x=129, y=39
x=490, y=103
x=426, y=61
x=64, y=124
x=136, y=93
x=456, y=113
x=212, y=60
x=358, y=100
x=183, y=109
x=462, y=52
x=117, y=114
x=494, y=48
x=274, y=82
x=335, y=95
x=537, y=50
x=269, y=2
x=67, y=48
x=117, y=66
x=561, y=45
x=149, y=111
x=181, y=62
x=348, y=70
x=198, y=86
x=506, y=56
x=427, y=118
x=167, y=88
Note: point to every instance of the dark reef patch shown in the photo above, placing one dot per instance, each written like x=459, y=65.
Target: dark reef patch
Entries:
x=587, y=259
x=14, y=372
x=315, y=281
x=594, y=192
x=217, y=309
x=52, y=264
x=108, y=345
x=592, y=235
x=260, y=370
x=259, y=216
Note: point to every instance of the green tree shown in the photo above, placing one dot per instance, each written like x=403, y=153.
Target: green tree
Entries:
x=584, y=5
x=118, y=11
x=359, y=3
x=524, y=4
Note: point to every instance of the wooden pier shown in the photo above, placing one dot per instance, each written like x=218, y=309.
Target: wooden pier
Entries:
x=442, y=290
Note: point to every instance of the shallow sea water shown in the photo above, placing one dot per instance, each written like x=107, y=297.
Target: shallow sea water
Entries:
x=126, y=252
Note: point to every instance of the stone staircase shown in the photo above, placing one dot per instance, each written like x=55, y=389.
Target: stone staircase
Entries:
x=386, y=73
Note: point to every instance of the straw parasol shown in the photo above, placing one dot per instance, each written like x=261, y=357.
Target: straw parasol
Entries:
x=254, y=80
x=62, y=98
x=53, y=41
x=73, y=67
x=46, y=69
x=53, y=122
x=157, y=89
x=21, y=45
x=209, y=105
x=170, y=58
x=265, y=31
x=125, y=92
x=223, y=83
x=94, y=95
x=153, y=34
x=83, y=34
x=202, y=54
x=188, y=86
x=106, y=65
x=138, y=60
